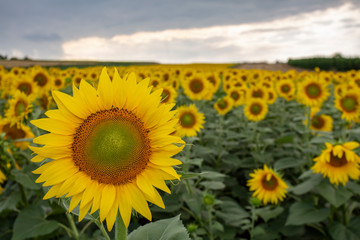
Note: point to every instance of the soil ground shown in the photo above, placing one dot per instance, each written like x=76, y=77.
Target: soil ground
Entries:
x=27, y=63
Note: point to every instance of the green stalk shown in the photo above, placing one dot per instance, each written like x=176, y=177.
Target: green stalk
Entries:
x=72, y=225
x=120, y=229
x=211, y=236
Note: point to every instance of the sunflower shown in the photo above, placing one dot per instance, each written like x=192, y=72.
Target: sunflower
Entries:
x=41, y=78
x=196, y=87
x=271, y=96
x=26, y=86
x=109, y=147
x=58, y=82
x=312, y=92
x=338, y=163
x=268, y=185
x=349, y=104
x=258, y=91
x=16, y=132
x=190, y=121
x=19, y=108
x=168, y=95
x=286, y=89
x=224, y=105
x=322, y=122
x=2, y=179
x=238, y=95
x=255, y=109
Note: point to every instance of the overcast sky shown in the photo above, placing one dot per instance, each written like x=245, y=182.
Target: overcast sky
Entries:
x=185, y=31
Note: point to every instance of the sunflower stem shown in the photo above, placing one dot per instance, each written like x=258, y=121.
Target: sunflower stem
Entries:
x=120, y=229
x=102, y=229
x=72, y=225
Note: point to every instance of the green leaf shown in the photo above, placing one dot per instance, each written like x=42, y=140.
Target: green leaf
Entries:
x=269, y=212
x=307, y=185
x=10, y=202
x=285, y=139
x=231, y=212
x=171, y=228
x=26, y=179
x=212, y=175
x=339, y=231
x=32, y=223
x=305, y=213
x=336, y=197
x=288, y=162
x=214, y=185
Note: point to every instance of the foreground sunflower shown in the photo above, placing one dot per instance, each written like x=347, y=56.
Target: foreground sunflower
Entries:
x=349, y=105
x=338, y=163
x=312, y=92
x=190, y=121
x=109, y=147
x=268, y=185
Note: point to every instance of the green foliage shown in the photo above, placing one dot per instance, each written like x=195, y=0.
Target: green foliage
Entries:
x=337, y=63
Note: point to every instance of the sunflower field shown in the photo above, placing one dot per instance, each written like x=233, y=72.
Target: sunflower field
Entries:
x=200, y=151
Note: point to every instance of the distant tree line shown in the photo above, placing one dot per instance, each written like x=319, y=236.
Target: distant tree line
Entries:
x=335, y=63
x=5, y=57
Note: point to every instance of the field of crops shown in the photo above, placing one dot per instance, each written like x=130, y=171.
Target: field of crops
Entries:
x=179, y=152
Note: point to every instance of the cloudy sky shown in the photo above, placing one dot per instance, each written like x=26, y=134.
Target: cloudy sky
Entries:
x=172, y=31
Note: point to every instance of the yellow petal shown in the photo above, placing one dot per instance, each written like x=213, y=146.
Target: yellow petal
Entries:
x=107, y=200
x=75, y=107
x=105, y=89
x=138, y=201
x=124, y=204
x=75, y=201
x=54, y=126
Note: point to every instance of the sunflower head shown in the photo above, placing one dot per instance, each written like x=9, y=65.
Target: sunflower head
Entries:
x=338, y=163
x=191, y=121
x=110, y=148
x=268, y=185
x=224, y=105
x=256, y=109
x=349, y=104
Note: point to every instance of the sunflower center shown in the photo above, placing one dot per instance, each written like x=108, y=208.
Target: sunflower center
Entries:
x=313, y=90
x=336, y=161
x=20, y=107
x=222, y=104
x=235, y=96
x=349, y=104
x=187, y=120
x=258, y=94
x=317, y=122
x=255, y=108
x=111, y=146
x=13, y=132
x=58, y=82
x=196, y=86
x=40, y=79
x=285, y=88
x=25, y=88
x=270, y=184
x=211, y=79
x=165, y=96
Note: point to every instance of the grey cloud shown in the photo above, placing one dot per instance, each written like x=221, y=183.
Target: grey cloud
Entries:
x=42, y=37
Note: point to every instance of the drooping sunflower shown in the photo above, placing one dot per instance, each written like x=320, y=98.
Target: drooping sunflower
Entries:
x=191, y=121
x=321, y=122
x=255, y=109
x=224, y=105
x=312, y=92
x=268, y=185
x=338, y=163
x=16, y=132
x=349, y=104
x=19, y=108
x=110, y=147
